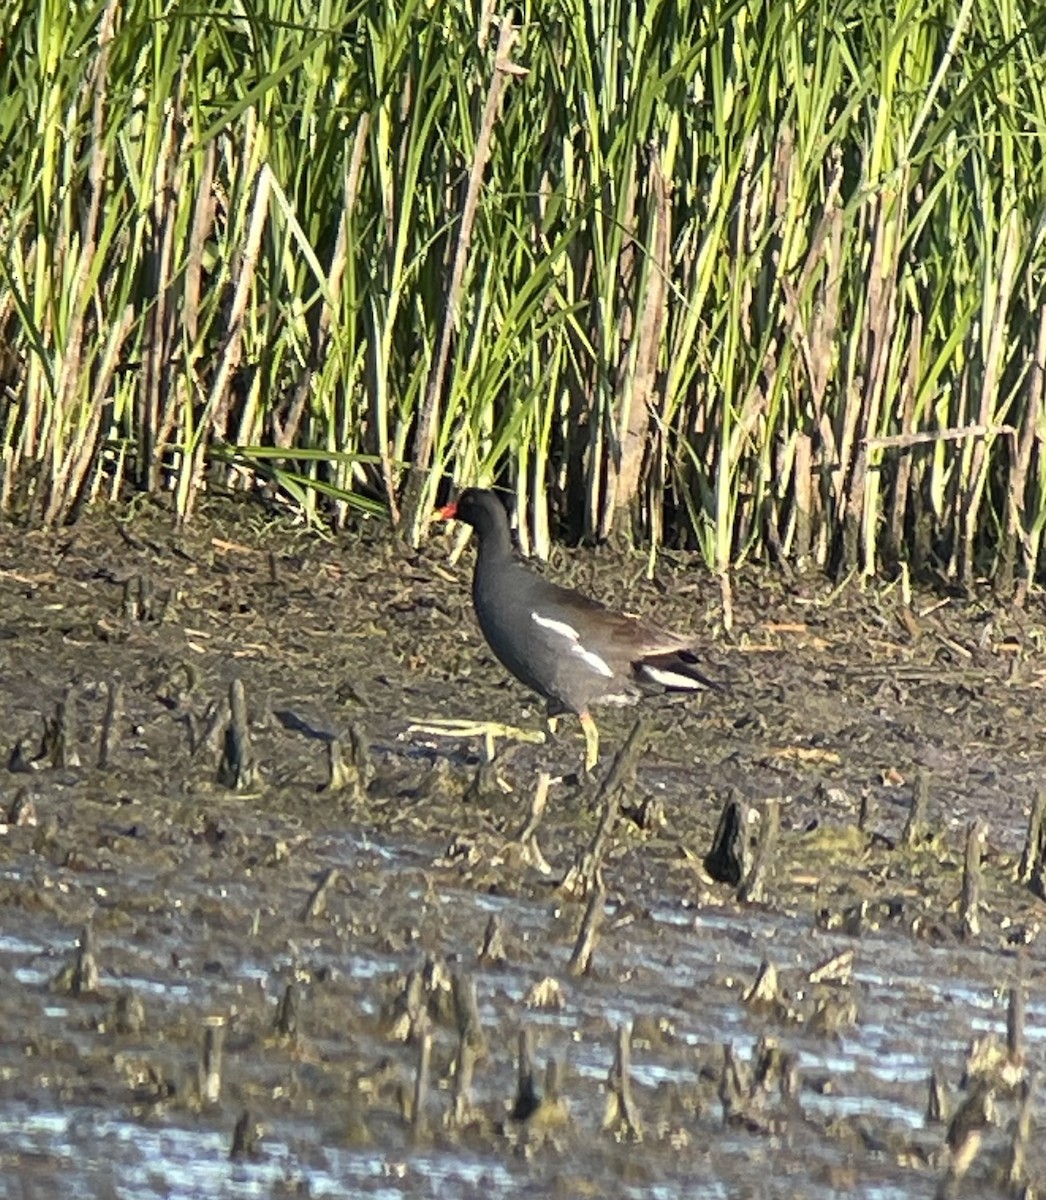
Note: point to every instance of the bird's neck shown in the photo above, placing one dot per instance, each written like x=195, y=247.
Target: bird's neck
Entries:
x=495, y=550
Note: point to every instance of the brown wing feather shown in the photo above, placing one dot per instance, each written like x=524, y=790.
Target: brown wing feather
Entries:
x=616, y=630
x=634, y=650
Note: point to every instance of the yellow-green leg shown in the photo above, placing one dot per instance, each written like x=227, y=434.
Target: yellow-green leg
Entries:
x=591, y=740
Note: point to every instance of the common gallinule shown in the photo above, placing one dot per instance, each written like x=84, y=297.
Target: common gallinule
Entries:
x=572, y=650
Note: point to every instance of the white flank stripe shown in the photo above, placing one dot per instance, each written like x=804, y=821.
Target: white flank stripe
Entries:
x=589, y=657
x=592, y=659
x=560, y=627
x=669, y=679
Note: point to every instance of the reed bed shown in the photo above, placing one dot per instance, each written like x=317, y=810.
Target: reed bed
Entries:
x=752, y=278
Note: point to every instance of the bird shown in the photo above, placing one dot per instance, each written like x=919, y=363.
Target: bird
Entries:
x=567, y=647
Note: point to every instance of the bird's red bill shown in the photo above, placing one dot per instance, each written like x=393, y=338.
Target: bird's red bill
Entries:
x=449, y=511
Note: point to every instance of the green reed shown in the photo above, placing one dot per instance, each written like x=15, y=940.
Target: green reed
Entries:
x=762, y=280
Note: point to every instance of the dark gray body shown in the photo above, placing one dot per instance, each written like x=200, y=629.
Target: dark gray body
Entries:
x=572, y=650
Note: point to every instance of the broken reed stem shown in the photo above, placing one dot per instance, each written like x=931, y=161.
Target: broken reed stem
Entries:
x=359, y=750
x=585, y=945
x=765, y=993
x=60, y=735
x=753, y=889
x=621, y=1110
x=527, y=1098
x=916, y=825
x=586, y=875
x=839, y=969
x=316, y=905
x=1017, y=1168
x=22, y=809
x=464, y=1067
x=238, y=708
x=937, y=1103
x=210, y=1071
x=493, y=948
x=207, y=736
x=353, y=771
x=85, y=976
x=538, y=803
x=622, y=773
x=339, y=774
x=113, y=714
x=1032, y=854
x=19, y=761
x=976, y=836
x=1015, y=1022
x=236, y=769
x=471, y=1043
x=138, y=599
x=734, y=1086
x=904, y=441
x=553, y=1089
x=128, y=1013
x=967, y=1128
x=418, y=1122
x=483, y=786
x=130, y=597
x=244, y=1137
x=415, y=1014
x=285, y=1022
x=774, y=1066
x=866, y=812
x=527, y=836
x=466, y=1011
x=729, y=858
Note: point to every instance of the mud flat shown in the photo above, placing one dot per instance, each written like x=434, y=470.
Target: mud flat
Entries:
x=277, y=921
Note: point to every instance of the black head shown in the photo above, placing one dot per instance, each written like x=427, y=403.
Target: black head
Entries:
x=479, y=508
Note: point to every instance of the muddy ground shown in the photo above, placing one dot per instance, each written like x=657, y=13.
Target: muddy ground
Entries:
x=200, y=896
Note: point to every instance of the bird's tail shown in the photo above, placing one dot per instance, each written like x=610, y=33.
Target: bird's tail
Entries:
x=676, y=670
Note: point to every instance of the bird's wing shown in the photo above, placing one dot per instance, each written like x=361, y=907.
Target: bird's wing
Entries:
x=608, y=629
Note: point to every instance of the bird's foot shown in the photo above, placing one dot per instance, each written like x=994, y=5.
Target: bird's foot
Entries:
x=591, y=741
